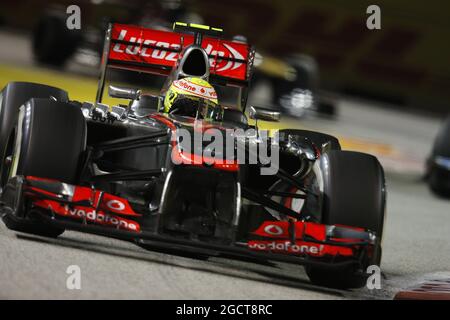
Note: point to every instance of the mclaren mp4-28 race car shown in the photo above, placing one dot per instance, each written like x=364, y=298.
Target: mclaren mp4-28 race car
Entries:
x=138, y=172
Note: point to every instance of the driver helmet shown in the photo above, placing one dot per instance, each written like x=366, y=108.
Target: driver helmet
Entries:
x=192, y=97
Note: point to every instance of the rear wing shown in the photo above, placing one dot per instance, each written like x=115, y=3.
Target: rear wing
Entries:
x=157, y=51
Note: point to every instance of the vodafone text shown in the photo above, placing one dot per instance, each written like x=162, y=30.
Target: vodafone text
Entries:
x=102, y=218
x=286, y=246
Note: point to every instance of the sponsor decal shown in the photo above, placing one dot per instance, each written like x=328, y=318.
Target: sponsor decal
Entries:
x=110, y=203
x=227, y=58
x=280, y=230
x=234, y=54
x=109, y=120
x=143, y=51
x=299, y=247
x=198, y=90
x=277, y=239
x=273, y=230
x=105, y=214
x=115, y=205
x=287, y=247
x=89, y=214
x=101, y=218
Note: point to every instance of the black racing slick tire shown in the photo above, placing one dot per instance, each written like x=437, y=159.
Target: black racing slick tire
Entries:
x=318, y=138
x=14, y=95
x=354, y=194
x=47, y=141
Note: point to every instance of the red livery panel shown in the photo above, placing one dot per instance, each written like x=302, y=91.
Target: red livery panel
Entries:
x=88, y=205
x=146, y=48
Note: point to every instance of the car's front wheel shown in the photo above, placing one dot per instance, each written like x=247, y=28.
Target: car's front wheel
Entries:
x=47, y=142
x=353, y=195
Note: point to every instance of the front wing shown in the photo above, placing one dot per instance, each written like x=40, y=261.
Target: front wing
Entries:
x=86, y=209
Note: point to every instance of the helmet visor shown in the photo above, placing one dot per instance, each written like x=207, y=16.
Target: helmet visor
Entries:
x=196, y=107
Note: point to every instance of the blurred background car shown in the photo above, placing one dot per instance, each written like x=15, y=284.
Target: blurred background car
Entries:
x=438, y=164
x=291, y=85
x=290, y=82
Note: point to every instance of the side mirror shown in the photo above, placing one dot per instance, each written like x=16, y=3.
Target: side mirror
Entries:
x=257, y=113
x=123, y=93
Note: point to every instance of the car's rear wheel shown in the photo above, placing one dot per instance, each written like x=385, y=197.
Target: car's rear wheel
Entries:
x=353, y=195
x=47, y=141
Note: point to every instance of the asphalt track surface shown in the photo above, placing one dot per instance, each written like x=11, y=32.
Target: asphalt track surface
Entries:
x=416, y=242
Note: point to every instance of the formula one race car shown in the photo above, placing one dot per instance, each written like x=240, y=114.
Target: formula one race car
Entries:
x=438, y=164
x=140, y=171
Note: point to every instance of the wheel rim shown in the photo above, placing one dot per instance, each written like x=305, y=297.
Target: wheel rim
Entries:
x=10, y=160
x=7, y=161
